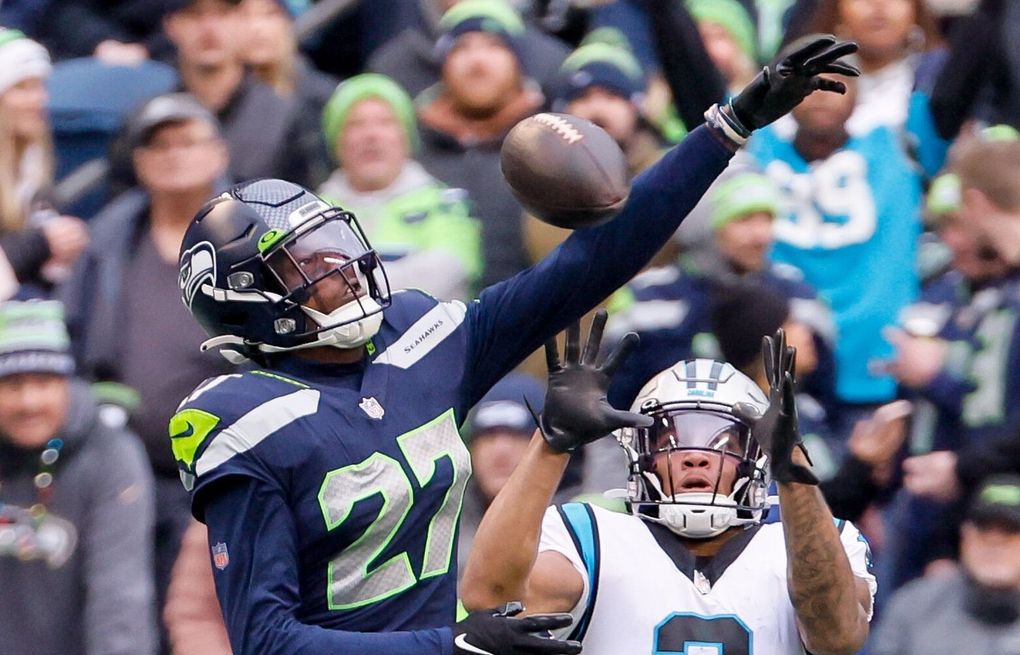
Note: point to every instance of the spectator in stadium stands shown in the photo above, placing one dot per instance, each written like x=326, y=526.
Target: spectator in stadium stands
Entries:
x=989, y=174
x=464, y=118
x=271, y=50
x=850, y=209
x=898, y=39
x=127, y=321
x=114, y=30
x=410, y=57
x=420, y=227
x=36, y=240
x=497, y=433
x=933, y=364
x=194, y=621
x=975, y=609
x=268, y=135
x=729, y=37
x=75, y=503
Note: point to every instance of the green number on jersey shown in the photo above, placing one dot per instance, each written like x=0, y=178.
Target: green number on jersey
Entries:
x=351, y=584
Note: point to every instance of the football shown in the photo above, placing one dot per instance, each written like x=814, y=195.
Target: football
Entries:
x=565, y=170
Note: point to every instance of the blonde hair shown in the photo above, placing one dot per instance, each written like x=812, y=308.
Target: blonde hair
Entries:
x=991, y=167
x=13, y=206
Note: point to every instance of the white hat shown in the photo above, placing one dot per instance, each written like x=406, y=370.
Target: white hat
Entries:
x=21, y=58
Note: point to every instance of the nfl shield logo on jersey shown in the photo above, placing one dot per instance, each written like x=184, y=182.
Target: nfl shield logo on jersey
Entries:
x=372, y=407
x=220, y=556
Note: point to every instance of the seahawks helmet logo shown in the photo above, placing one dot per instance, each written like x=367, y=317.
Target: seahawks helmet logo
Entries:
x=198, y=266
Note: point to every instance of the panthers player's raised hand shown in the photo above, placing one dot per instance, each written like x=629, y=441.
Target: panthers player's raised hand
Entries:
x=776, y=431
x=576, y=409
x=497, y=632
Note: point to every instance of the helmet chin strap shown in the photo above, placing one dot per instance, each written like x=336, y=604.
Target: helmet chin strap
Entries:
x=695, y=515
x=353, y=333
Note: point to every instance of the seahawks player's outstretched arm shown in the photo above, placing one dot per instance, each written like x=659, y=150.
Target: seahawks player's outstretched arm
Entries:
x=505, y=562
x=832, y=604
x=515, y=316
x=258, y=589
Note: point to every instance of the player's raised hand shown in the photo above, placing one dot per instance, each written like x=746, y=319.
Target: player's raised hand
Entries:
x=776, y=431
x=497, y=632
x=576, y=409
x=793, y=75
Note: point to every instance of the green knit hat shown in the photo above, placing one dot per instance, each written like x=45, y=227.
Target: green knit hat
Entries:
x=33, y=338
x=943, y=196
x=368, y=85
x=741, y=196
x=731, y=16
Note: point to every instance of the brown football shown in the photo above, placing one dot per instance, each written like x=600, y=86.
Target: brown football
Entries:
x=565, y=170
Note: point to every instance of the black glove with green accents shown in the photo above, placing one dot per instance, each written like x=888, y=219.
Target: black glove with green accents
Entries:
x=496, y=632
x=776, y=431
x=576, y=410
x=792, y=76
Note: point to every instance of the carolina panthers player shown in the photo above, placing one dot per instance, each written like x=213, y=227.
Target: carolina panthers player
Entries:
x=331, y=474
x=690, y=569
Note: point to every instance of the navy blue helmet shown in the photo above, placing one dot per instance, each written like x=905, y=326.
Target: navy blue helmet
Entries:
x=269, y=267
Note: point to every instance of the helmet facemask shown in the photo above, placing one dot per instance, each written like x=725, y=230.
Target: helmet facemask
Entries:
x=698, y=506
x=327, y=283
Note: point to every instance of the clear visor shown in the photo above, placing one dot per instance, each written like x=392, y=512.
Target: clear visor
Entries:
x=329, y=250
x=698, y=429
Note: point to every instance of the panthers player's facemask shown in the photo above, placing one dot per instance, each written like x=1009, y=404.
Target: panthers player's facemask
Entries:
x=325, y=267
x=696, y=471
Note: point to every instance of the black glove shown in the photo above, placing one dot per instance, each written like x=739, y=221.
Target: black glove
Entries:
x=792, y=76
x=576, y=410
x=776, y=431
x=494, y=632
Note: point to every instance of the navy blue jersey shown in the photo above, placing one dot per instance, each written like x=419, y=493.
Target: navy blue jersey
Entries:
x=332, y=493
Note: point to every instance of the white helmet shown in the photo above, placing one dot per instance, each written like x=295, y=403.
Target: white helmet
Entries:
x=692, y=404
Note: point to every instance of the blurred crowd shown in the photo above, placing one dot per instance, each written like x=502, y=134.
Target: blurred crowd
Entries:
x=880, y=228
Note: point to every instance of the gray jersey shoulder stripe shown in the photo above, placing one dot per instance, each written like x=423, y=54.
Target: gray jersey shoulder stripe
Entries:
x=424, y=335
x=251, y=429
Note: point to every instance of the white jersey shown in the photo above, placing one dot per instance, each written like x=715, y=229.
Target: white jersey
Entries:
x=637, y=600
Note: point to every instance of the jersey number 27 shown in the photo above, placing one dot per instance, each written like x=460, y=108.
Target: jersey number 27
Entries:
x=351, y=584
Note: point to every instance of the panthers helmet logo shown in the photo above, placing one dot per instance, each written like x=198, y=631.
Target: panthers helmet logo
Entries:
x=198, y=266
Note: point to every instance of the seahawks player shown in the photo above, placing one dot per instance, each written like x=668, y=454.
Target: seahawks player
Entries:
x=331, y=474
x=691, y=569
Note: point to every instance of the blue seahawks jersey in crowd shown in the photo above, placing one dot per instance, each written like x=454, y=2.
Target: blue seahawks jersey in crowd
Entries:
x=851, y=224
x=332, y=492
x=668, y=307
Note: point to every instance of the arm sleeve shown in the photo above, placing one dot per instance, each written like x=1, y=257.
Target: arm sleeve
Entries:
x=259, y=590
x=119, y=587
x=694, y=81
x=556, y=538
x=192, y=615
x=849, y=492
x=514, y=317
x=859, y=553
x=973, y=45
x=947, y=391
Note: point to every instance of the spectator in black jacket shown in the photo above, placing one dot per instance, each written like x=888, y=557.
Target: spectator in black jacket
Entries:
x=128, y=325
x=464, y=118
x=268, y=135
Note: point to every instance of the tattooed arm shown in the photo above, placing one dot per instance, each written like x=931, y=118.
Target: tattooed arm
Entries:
x=832, y=604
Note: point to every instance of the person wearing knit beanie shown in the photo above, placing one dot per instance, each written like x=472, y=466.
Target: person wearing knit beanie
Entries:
x=494, y=17
x=743, y=210
x=741, y=313
x=423, y=228
x=368, y=85
x=21, y=58
x=729, y=36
